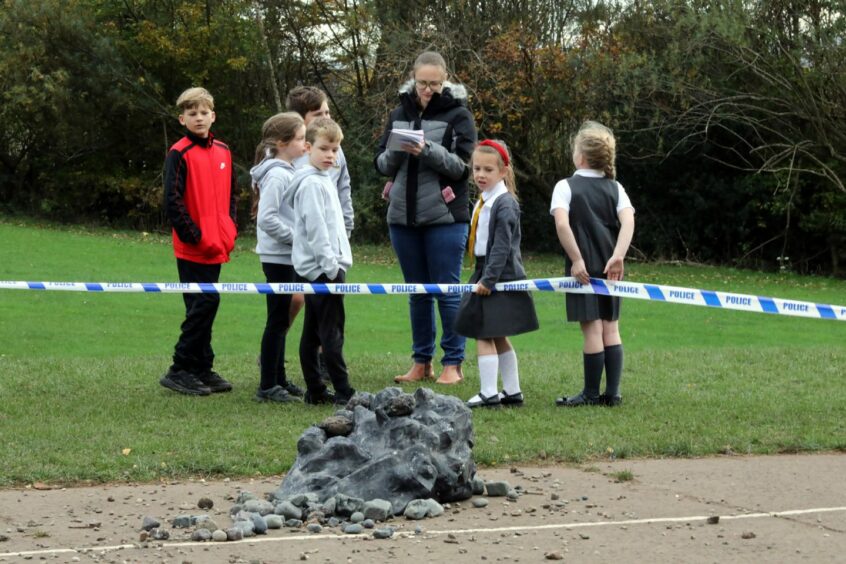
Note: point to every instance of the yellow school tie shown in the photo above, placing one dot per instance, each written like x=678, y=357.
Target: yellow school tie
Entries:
x=471, y=242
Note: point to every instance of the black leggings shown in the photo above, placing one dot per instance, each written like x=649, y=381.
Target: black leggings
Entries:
x=276, y=327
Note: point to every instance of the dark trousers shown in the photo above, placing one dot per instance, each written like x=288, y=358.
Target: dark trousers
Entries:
x=324, y=326
x=193, y=351
x=276, y=327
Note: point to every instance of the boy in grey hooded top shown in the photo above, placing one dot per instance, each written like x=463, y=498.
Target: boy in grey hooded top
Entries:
x=275, y=219
x=320, y=237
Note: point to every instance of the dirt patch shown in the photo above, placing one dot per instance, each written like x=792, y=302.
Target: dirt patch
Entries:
x=767, y=509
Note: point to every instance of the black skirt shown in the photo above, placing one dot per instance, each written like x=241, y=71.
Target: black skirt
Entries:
x=590, y=307
x=501, y=314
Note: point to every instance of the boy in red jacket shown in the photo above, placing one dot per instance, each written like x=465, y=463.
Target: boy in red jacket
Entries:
x=199, y=190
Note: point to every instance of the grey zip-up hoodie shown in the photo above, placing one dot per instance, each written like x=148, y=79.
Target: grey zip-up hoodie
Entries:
x=320, y=245
x=275, y=219
x=340, y=175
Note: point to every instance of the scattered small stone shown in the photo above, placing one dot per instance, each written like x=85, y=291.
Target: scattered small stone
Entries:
x=418, y=530
x=748, y=535
x=480, y=502
x=143, y=536
x=182, y=521
x=435, y=508
x=377, y=509
x=713, y=519
x=205, y=503
x=333, y=522
x=336, y=426
x=554, y=497
x=497, y=489
x=110, y=498
x=160, y=534
x=274, y=521
x=294, y=523
x=368, y=523
x=383, y=533
x=243, y=497
x=554, y=556
x=303, y=556
x=260, y=506
x=234, y=534
x=219, y=536
x=3, y=538
x=205, y=522
x=478, y=486
x=314, y=528
x=416, y=509
x=201, y=535
x=288, y=510
x=303, y=499
x=584, y=536
x=259, y=524
x=353, y=529
x=451, y=539
x=149, y=523
x=357, y=517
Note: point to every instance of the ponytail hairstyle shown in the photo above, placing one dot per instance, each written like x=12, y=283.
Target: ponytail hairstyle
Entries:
x=281, y=127
x=597, y=145
x=498, y=148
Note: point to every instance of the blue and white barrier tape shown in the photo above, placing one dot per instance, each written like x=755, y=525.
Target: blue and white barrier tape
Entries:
x=652, y=292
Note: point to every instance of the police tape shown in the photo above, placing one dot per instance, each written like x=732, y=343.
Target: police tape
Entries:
x=623, y=289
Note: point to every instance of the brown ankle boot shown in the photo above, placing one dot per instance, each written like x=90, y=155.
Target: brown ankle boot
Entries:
x=418, y=371
x=451, y=374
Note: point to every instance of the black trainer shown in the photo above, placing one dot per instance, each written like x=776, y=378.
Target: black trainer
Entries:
x=511, y=400
x=577, y=401
x=317, y=398
x=184, y=383
x=341, y=400
x=293, y=389
x=480, y=400
x=276, y=394
x=213, y=381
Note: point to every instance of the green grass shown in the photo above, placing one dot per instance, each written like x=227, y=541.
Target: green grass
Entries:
x=79, y=372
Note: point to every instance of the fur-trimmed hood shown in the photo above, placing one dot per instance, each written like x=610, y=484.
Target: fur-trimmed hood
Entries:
x=458, y=91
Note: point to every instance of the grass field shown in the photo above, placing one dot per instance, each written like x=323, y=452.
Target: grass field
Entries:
x=80, y=399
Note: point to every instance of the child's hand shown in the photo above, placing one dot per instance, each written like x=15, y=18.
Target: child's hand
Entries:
x=614, y=269
x=579, y=272
x=482, y=290
x=413, y=148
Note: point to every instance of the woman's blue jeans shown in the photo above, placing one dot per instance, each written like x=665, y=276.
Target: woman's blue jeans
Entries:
x=432, y=254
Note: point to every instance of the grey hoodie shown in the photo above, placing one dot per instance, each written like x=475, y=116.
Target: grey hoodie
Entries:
x=340, y=176
x=321, y=245
x=275, y=220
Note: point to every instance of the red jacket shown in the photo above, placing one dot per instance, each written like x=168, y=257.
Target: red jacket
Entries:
x=200, y=199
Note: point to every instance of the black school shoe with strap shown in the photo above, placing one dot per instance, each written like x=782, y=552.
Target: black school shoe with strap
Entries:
x=480, y=400
x=184, y=382
x=213, y=381
x=511, y=400
x=577, y=401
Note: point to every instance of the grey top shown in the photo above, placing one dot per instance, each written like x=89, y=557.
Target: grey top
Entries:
x=275, y=219
x=320, y=245
x=340, y=176
x=503, y=261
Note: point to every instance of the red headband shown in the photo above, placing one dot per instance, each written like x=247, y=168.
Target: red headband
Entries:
x=496, y=147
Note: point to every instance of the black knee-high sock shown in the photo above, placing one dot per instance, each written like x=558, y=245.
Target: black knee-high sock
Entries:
x=613, y=369
x=594, y=364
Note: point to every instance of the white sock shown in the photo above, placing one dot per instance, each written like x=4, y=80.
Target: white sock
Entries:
x=488, y=368
x=510, y=374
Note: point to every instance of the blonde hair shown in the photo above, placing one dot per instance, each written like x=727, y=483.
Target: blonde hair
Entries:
x=194, y=97
x=597, y=145
x=281, y=127
x=432, y=58
x=510, y=178
x=326, y=128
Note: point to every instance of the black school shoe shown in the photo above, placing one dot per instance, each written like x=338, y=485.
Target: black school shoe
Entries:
x=511, y=400
x=578, y=400
x=184, y=383
x=341, y=400
x=610, y=401
x=213, y=381
x=293, y=389
x=318, y=398
x=480, y=400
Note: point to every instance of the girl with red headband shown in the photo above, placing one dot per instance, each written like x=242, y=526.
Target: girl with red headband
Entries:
x=491, y=317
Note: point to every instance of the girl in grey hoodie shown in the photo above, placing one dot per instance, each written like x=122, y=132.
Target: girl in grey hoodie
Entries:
x=283, y=141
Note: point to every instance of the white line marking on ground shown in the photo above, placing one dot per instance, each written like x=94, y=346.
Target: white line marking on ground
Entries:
x=313, y=537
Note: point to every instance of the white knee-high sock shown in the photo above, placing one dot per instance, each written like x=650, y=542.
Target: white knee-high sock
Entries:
x=510, y=373
x=488, y=368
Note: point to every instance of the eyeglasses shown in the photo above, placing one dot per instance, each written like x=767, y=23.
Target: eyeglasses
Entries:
x=431, y=84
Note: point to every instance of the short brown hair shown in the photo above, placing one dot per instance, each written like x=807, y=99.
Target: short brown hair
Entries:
x=324, y=127
x=305, y=99
x=194, y=97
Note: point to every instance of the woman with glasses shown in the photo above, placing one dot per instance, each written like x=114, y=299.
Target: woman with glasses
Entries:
x=428, y=211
